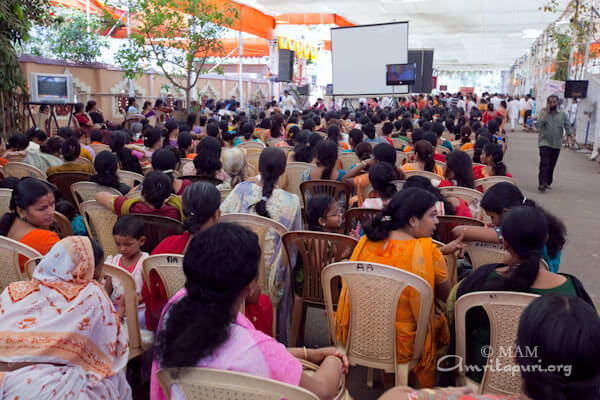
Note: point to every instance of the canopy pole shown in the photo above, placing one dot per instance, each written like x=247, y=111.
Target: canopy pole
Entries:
x=131, y=90
x=241, y=54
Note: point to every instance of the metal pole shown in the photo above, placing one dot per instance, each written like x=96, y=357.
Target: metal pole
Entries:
x=241, y=44
x=131, y=91
x=573, y=43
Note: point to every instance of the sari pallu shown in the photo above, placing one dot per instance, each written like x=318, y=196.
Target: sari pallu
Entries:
x=421, y=257
x=62, y=325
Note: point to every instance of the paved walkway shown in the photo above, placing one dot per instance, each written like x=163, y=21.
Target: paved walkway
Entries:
x=575, y=198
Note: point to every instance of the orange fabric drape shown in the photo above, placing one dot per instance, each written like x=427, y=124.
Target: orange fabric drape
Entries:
x=312, y=19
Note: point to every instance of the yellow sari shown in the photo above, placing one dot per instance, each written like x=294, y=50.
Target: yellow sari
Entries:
x=421, y=257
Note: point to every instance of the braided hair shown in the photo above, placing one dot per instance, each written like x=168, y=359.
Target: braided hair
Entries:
x=271, y=165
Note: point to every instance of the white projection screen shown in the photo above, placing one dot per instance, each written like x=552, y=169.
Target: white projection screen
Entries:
x=360, y=55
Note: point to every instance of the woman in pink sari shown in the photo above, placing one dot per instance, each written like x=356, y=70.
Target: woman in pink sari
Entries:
x=201, y=325
x=60, y=337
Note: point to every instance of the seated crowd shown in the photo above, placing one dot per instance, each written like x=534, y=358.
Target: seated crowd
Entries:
x=397, y=165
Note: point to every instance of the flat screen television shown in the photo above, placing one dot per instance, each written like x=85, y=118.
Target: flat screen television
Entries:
x=400, y=74
x=51, y=88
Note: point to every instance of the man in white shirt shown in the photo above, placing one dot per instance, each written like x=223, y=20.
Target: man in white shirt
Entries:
x=461, y=103
x=513, y=112
x=495, y=100
x=288, y=102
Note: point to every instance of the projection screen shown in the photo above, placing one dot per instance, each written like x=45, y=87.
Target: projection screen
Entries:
x=360, y=55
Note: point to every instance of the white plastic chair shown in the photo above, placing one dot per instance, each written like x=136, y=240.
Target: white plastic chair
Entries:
x=10, y=270
x=490, y=181
x=374, y=291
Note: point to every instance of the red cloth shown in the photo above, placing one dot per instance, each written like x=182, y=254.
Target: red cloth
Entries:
x=142, y=208
x=185, y=183
x=445, y=183
x=261, y=314
x=463, y=209
x=478, y=172
x=487, y=116
x=83, y=121
x=439, y=157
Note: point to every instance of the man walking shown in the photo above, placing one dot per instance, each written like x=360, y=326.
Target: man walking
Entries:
x=551, y=124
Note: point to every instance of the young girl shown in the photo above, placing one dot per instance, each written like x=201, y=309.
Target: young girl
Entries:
x=465, y=139
x=128, y=234
x=492, y=156
x=323, y=214
x=381, y=176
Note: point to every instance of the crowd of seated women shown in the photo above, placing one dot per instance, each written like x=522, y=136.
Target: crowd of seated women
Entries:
x=202, y=325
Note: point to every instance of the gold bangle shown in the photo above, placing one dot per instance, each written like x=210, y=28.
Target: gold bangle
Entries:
x=305, y=354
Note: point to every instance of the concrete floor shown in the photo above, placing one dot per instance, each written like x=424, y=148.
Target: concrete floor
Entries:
x=575, y=194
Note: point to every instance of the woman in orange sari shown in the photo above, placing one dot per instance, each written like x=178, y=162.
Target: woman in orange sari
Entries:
x=401, y=237
x=31, y=214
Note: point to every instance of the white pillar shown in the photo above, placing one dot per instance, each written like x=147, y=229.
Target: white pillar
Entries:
x=241, y=86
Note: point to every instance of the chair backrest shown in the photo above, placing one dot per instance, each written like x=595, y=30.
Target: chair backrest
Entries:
x=348, y=160
x=10, y=267
x=84, y=191
x=374, y=291
x=446, y=223
x=252, y=170
x=129, y=178
x=354, y=216
x=339, y=191
x=213, y=384
x=182, y=163
x=30, y=266
x=252, y=145
x=252, y=156
x=63, y=224
x=224, y=193
x=482, y=253
x=402, y=158
x=5, y=196
x=99, y=222
x=131, y=311
x=442, y=150
x=83, y=160
x=471, y=196
x=318, y=250
x=22, y=170
x=490, y=181
x=64, y=180
x=169, y=268
x=434, y=178
x=15, y=157
x=504, y=310
x=157, y=228
x=294, y=171
x=197, y=178
x=99, y=148
x=399, y=143
x=265, y=229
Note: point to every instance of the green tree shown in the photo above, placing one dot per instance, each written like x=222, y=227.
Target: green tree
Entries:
x=76, y=37
x=178, y=36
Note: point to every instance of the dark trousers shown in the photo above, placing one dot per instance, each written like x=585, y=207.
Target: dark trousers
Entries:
x=527, y=115
x=548, y=159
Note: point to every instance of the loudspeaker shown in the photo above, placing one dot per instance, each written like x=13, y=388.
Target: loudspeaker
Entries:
x=576, y=89
x=286, y=66
x=303, y=90
x=424, y=60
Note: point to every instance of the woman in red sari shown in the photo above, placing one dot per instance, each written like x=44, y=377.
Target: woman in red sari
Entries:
x=201, y=202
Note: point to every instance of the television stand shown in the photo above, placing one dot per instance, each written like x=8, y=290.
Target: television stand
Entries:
x=52, y=115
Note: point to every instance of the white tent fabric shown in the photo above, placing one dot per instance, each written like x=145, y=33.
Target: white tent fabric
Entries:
x=487, y=34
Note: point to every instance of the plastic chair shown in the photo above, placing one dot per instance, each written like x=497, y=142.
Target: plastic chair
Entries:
x=399, y=143
x=129, y=178
x=198, y=178
x=10, y=267
x=252, y=170
x=451, y=264
x=252, y=146
x=30, y=266
x=442, y=150
x=5, y=196
x=63, y=224
x=22, y=170
x=339, y=191
x=252, y=156
x=266, y=229
x=182, y=163
x=504, y=310
x=224, y=193
x=317, y=250
x=64, y=180
x=85, y=191
x=213, y=384
x=355, y=216
x=99, y=222
x=490, y=181
x=99, y=148
x=83, y=160
x=482, y=253
x=402, y=158
x=443, y=232
x=169, y=268
x=374, y=291
x=157, y=228
x=15, y=157
x=434, y=178
x=471, y=196
x=294, y=171
x=348, y=160
x=136, y=347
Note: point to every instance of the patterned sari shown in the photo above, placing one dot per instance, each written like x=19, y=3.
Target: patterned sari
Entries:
x=59, y=334
x=421, y=257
